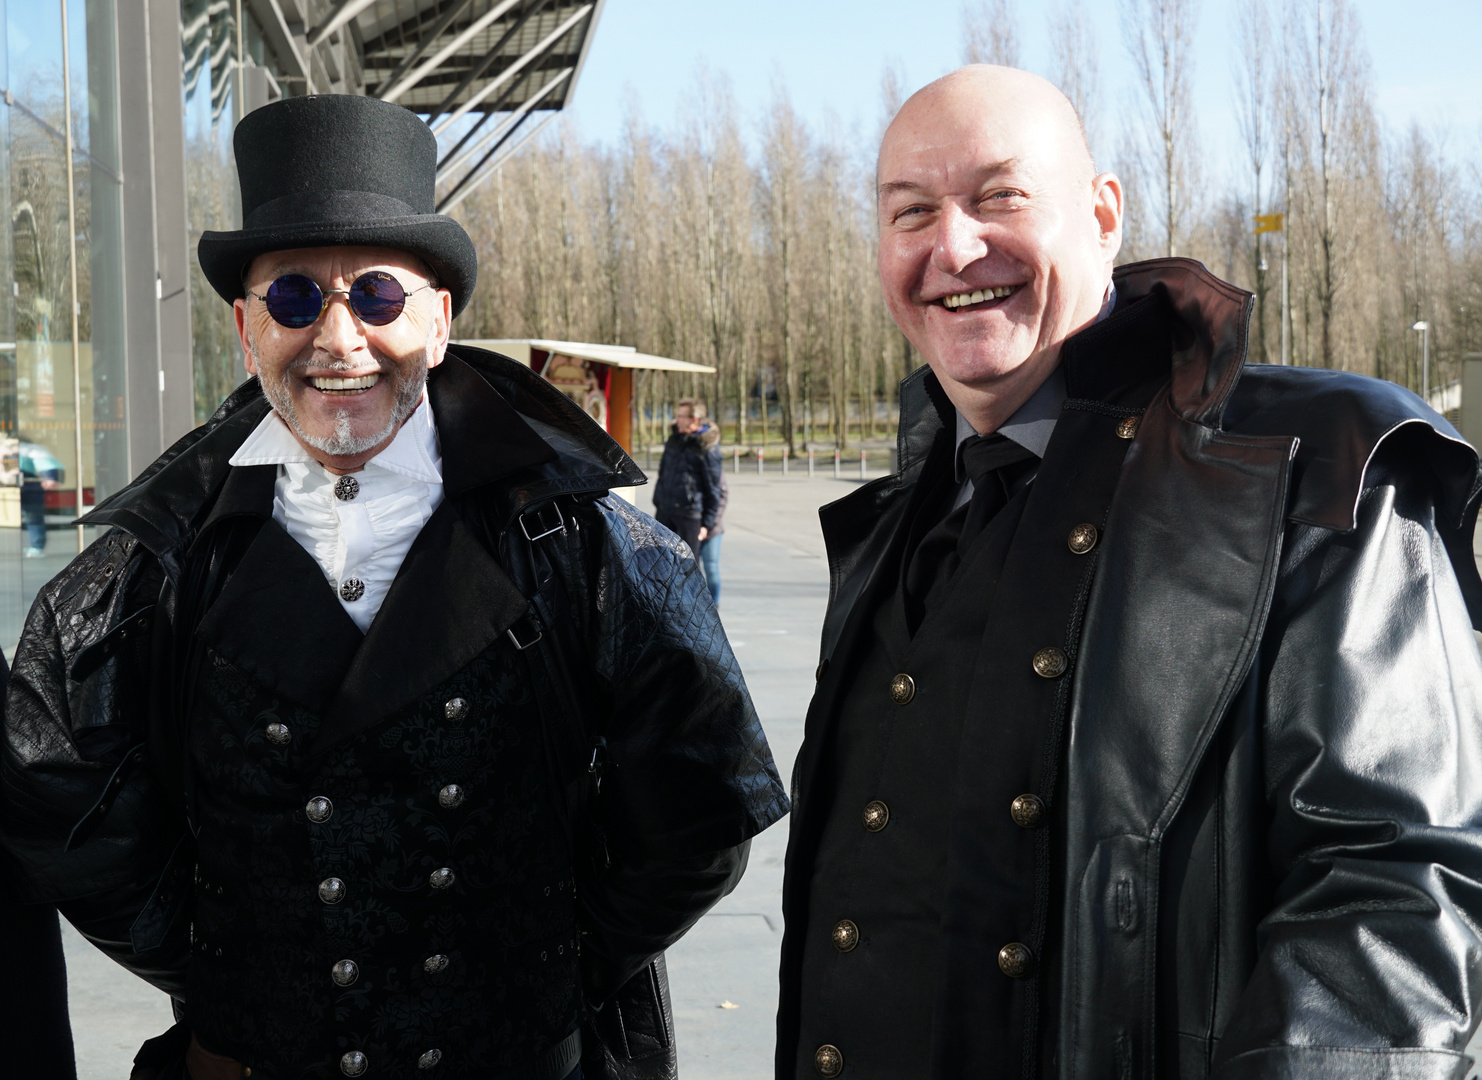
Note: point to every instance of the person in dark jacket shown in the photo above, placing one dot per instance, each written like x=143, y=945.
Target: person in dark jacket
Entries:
x=1147, y=737
x=334, y=735
x=687, y=492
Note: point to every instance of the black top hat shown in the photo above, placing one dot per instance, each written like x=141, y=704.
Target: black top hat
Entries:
x=332, y=170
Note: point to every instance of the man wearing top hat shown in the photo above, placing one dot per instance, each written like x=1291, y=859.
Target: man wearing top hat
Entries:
x=374, y=730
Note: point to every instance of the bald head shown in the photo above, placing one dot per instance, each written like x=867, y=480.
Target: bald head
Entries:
x=996, y=234
x=1009, y=97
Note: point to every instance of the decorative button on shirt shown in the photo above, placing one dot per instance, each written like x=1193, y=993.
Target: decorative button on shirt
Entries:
x=358, y=528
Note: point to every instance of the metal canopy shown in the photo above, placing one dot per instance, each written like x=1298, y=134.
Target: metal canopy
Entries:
x=491, y=72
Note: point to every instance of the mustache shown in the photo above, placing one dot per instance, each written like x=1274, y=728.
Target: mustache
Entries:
x=312, y=359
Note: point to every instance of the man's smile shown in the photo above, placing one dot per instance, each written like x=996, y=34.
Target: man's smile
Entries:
x=339, y=385
x=978, y=299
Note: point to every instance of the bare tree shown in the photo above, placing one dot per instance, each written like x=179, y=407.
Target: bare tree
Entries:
x=1253, y=100
x=1159, y=39
x=1075, y=70
x=785, y=153
x=989, y=35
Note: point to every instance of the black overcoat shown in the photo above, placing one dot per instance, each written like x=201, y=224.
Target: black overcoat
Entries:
x=95, y=814
x=1264, y=857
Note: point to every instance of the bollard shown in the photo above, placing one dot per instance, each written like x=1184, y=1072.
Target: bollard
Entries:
x=810, y=464
x=758, y=460
x=836, y=464
x=784, y=461
x=736, y=461
x=861, y=464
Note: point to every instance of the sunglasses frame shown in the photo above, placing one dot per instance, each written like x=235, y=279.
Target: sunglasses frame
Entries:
x=325, y=294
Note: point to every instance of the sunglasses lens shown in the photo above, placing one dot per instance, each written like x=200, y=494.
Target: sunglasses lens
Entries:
x=377, y=298
x=294, y=301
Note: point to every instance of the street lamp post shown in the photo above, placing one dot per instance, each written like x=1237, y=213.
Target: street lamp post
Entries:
x=1425, y=358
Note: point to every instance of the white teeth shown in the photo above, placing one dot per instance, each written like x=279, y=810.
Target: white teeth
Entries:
x=977, y=296
x=363, y=382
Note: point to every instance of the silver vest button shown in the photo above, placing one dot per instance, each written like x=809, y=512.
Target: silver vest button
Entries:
x=435, y=963
x=442, y=877
x=318, y=809
x=429, y=1059
x=456, y=709
x=331, y=890
x=450, y=797
x=345, y=972
x=346, y=488
x=278, y=733
x=352, y=589
x=354, y=1063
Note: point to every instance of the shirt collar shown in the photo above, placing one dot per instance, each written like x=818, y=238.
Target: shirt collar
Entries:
x=1034, y=422
x=413, y=453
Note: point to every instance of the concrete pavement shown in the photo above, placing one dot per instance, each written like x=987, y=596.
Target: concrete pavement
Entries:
x=775, y=588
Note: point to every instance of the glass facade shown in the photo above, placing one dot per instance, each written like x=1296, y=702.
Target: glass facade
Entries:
x=59, y=348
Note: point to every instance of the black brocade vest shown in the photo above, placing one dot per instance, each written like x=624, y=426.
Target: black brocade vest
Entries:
x=400, y=890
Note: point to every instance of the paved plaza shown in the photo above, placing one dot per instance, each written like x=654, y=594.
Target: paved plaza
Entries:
x=724, y=973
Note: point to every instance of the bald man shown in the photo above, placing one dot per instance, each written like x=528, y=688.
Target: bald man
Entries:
x=1147, y=739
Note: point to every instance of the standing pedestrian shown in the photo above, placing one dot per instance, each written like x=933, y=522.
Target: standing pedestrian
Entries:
x=372, y=730
x=687, y=493
x=1146, y=733
x=710, y=546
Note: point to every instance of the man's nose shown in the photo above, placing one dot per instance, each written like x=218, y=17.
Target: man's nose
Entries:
x=960, y=240
x=340, y=333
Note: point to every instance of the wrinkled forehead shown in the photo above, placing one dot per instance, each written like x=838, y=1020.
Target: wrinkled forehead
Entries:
x=337, y=265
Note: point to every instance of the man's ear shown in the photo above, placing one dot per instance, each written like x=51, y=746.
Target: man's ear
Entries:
x=239, y=312
x=1107, y=205
x=442, y=328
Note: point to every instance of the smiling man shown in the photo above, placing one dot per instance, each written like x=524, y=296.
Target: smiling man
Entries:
x=1147, y=739
x=373, y=730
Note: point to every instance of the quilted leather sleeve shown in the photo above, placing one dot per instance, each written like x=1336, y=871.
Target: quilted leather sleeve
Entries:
x=81, y=819
x=693, y=773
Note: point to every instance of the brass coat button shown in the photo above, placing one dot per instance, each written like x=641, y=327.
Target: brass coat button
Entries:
x=1082, y=538
x=876, y=815
x=442, y=877
x=1127, y=429
x=277, y=733
x=352, y=589
x=846, y=935
x=318, y=809
x=345, y=973
x=450, y=797
x=1050, y=663
x=902, y=689
x=346, y=488
x=354, y=1063
x=1028, y=811
x=456, y=709
x=1015, y=960
x=828, y=1060
x=822, y=667
x=331, y=890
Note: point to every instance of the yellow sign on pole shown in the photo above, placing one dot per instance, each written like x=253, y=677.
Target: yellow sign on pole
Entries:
x=1270, y=222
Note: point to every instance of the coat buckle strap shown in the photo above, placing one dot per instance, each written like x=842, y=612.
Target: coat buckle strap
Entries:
x=542, y=521
x=531, y=629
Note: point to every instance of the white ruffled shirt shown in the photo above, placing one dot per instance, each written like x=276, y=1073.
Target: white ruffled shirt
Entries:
x=364, y=538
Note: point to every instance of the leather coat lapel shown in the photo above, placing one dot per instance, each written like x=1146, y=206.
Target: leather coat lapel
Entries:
x=277, y=617
x=450, y=601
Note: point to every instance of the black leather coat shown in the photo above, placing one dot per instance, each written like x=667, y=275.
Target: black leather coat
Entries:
x=95, y=821
x=1265, y=857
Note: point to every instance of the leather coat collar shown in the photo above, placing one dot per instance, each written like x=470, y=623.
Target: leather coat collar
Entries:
x=502, y=427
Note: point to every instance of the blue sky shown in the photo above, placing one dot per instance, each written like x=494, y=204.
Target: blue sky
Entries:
x=1426, y=59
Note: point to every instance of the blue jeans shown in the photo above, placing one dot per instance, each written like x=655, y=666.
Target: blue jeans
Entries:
x=710, y=560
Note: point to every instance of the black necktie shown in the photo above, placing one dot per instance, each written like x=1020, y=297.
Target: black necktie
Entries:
x=994, y=463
